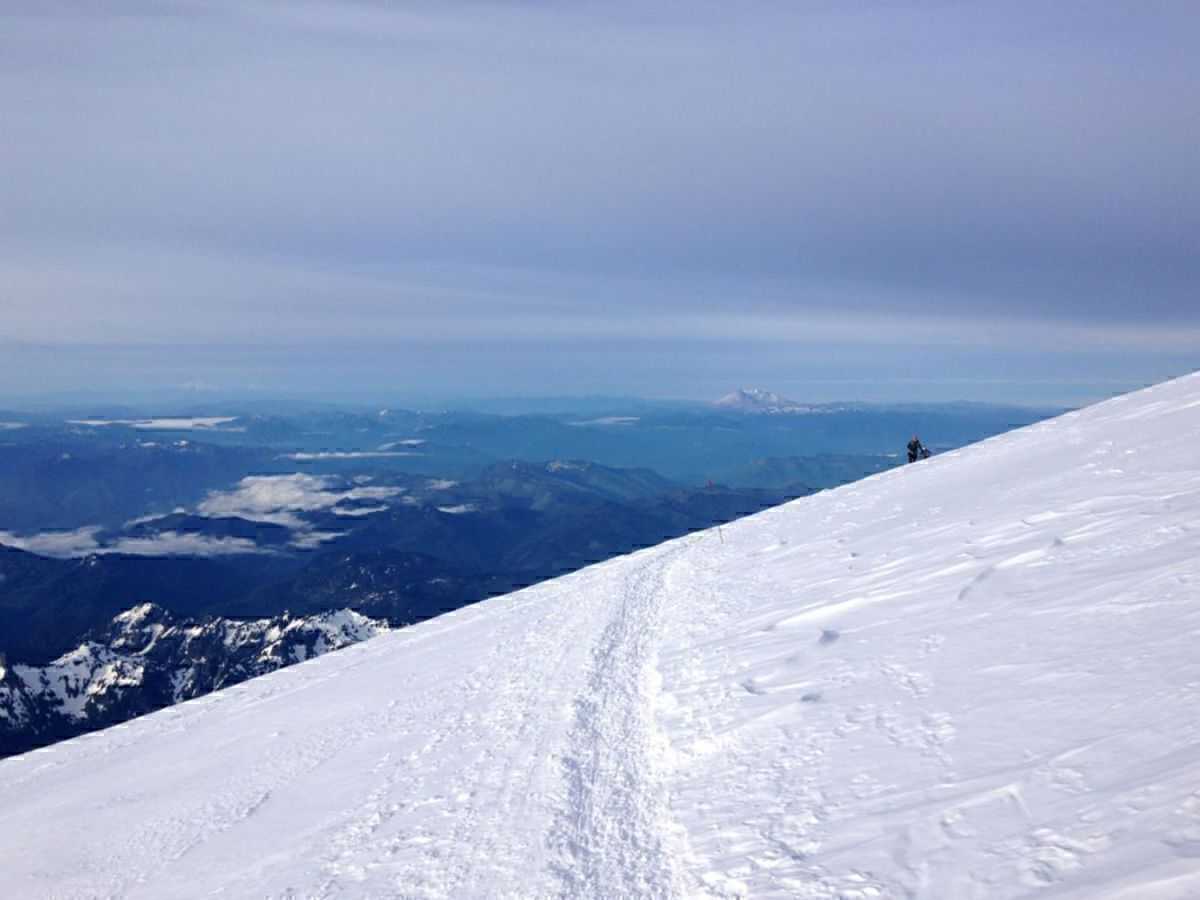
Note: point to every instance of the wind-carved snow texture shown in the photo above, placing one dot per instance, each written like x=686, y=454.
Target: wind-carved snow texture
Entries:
x=975, y=676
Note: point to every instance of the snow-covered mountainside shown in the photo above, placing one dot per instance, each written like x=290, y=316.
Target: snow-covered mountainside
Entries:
x=975, y=676
x=146, y=661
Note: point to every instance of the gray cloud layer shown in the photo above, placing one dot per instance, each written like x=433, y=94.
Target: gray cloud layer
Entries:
x=186, y=173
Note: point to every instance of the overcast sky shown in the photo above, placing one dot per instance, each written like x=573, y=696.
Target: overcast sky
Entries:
x=892, y=200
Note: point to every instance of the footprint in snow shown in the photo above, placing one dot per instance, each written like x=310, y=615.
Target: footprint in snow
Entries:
x=751, y=686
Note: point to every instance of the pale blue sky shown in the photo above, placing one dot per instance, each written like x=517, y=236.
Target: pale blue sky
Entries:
x=863, y=200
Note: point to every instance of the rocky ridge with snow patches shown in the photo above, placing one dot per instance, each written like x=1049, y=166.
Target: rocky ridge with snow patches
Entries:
x=147, y=660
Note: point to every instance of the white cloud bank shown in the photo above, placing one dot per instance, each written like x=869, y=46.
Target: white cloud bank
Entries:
x=82, y=542
x=176, y=543
x=358, y=510
x=280, y=498
x=345, y=454
x=608, y=420
x=170, y=424
x=309, y=540
x=458, y=509
x=59, y=544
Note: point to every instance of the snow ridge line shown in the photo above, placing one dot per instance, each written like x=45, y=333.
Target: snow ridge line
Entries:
x=616, y=837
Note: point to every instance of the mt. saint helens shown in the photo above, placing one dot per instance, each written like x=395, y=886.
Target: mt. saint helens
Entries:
x=756, y=400
x=972, y=676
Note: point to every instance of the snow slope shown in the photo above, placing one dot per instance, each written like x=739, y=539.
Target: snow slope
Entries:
x=976, y=676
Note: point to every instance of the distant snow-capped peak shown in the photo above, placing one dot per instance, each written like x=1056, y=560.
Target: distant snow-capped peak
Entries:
x=756, y=400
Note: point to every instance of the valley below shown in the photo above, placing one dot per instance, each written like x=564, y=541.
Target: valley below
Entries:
x=236, y=538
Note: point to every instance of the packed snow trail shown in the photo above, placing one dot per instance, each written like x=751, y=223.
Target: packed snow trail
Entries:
x=975, y=676
x=505, y=750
